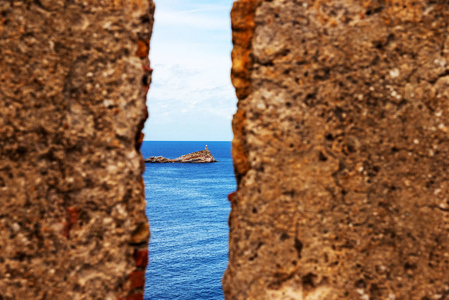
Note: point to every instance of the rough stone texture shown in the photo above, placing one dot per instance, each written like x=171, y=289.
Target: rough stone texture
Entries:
x=73, y=81
x=340, y=150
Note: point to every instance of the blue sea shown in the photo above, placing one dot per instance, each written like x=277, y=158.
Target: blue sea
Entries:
x=188, y=211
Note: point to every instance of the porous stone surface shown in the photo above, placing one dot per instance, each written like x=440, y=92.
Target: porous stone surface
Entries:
x=341, y=150
x=73, y=82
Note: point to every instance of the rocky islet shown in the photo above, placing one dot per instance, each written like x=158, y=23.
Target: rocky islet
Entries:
x=203, y=156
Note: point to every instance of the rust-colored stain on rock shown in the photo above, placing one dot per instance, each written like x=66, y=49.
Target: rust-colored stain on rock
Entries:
x=138, y=296
x=141, y=258
x=143, y=49
x=242, y=16
x=71, y=219
x=137, y=279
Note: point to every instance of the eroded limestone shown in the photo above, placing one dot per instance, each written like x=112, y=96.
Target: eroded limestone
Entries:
x=73, y=83
x=340, y=150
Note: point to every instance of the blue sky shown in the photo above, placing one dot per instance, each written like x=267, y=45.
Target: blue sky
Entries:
x=191, y=97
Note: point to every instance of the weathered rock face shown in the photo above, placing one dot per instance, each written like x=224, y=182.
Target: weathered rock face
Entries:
x=340, y=150
x=157, y=159
x=73, y=80
x=203, y=156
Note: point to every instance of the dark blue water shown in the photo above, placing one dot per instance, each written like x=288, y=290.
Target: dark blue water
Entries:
x=188, y=211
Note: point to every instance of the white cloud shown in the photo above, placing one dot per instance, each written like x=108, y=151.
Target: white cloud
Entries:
x=190, y=55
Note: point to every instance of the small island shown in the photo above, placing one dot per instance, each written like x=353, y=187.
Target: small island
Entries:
x=203, y=156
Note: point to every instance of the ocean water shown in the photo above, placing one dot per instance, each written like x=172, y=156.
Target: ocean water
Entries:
x=188, y=211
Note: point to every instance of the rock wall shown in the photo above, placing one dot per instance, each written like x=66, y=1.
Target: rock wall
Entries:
x=341, y=150
x=73, y=82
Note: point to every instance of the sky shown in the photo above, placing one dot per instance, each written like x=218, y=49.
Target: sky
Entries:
x=191, y=97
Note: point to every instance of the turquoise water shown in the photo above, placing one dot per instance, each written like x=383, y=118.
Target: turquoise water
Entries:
x=188, y=211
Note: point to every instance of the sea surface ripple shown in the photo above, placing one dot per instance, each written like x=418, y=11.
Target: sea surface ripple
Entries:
x=188, y=212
